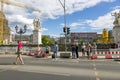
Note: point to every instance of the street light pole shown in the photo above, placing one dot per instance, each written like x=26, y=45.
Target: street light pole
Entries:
x=21, y=31
x=64, y=22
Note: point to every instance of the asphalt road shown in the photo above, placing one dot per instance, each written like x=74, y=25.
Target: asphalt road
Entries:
x=60, y=69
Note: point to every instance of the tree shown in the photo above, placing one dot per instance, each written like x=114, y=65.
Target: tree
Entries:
x=47, y=41
x=81, y=41
x=44, y=40
x=51, y=41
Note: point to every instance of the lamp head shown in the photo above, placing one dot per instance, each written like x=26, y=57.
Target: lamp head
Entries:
x=16, y=27
x=25, y=27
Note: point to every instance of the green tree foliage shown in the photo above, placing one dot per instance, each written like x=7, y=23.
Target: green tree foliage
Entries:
x=51, y=41
x=47, y=41
x=81, y=41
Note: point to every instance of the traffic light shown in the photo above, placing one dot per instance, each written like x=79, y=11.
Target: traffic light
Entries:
x=64, y=29
x=68, y=30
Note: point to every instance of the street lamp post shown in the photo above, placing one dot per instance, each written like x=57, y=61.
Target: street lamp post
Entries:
x=63, y=5
x=21, y=31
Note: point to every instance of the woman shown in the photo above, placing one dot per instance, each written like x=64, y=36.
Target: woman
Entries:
x=19, y=52
x=83, y=49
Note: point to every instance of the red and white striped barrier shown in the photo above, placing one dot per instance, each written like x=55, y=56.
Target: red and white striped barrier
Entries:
x=105, y=54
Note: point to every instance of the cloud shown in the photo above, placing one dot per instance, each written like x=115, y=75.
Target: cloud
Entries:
x=116, y=7
x=44, y=29
x=19, y=19
x=53, y=9
x=104, y=21
x=55, y=36
x=49, y=10
x=74, y=25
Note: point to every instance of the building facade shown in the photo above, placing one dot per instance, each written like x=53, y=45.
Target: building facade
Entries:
x=83, y=36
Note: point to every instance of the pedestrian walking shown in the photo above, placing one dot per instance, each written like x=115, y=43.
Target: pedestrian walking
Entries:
x=83, y=49
x=19, y=52
x=55, y=50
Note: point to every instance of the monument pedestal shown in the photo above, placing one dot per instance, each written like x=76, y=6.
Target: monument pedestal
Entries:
x=37, y=37
x=116, y=33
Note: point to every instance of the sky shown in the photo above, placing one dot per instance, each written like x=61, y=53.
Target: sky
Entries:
x=81, y=15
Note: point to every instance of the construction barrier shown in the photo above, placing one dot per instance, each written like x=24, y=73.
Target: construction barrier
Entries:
x=105, y=54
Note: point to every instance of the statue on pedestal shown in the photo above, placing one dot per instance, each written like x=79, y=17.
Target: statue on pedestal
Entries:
x=37, y=32
x=36, y=24
x=116, y=27
x=117, y=18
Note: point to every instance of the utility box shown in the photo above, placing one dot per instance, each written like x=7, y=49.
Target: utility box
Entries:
x=65, y=55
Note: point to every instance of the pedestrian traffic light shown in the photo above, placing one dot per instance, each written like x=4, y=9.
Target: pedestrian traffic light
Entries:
x=64, y=29
x=68, y=30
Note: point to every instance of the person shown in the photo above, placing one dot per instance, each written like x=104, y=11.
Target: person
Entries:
x=55, y=50
x=19, y=52
x=76, y=50
x=94, y=48
x=88, y=50
x=47, y=49
x=83, y=49
x=73, y=49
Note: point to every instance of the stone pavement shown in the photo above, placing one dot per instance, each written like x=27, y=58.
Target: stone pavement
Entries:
x=35, y=65
x=48, y=65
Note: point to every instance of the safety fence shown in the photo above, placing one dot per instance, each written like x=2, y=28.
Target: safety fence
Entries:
x=108, y=54
x=35, y=51
x=25, y=50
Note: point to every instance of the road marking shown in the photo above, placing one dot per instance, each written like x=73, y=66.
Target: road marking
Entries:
x=95, y=71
